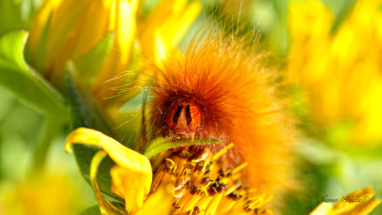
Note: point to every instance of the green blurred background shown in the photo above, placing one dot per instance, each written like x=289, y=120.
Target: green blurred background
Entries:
x=61, y=189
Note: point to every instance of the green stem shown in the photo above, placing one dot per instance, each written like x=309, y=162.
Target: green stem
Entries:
x=1, y=152
x=50, y=129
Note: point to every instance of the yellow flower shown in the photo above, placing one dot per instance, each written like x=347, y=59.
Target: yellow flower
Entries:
x=43, y=194
x=187, y=181
x=199, y=182
x=69, y=29
x=340, y=67
x=358, y=203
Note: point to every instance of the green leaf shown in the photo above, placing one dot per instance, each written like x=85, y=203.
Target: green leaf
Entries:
x=91, y=63
x=94, y=210
x=11, y=49
x=162, y=143
x=51, y=129
x=85, y=113
x=10, y=16
x=22, y=80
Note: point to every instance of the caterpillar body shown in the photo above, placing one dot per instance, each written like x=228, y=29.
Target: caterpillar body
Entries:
x=226, y=88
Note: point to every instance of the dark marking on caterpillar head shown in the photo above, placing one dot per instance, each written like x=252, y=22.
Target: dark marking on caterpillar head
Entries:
x=183, y=119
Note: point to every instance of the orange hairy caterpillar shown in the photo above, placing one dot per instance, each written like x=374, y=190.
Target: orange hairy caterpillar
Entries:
x=225, y=88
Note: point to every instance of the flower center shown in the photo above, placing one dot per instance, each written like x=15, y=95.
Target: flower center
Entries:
x=201, y=183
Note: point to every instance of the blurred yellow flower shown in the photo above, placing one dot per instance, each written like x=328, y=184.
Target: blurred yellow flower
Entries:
x=69, y=29
x=44, y=194
x=340, y=67
x=199, y=182
x=165, y=26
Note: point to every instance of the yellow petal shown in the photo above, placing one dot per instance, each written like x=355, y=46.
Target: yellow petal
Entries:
x=41, y=19
x=158, y=16
x=158, y=203
x=175, y=28
x=84, y=34
x=119, y=56
x=162, y=50
x=131, y=178
x=170, y=19
x=360, y=208
x=68, y=15
x=322, y=209
x=96, y=27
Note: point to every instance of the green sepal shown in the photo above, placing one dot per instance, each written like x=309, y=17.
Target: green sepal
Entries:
x=161, y=144
x=91, y=63
x=26, y=83
x=85, y=113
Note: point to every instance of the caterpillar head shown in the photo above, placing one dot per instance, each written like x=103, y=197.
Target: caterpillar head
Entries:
x=183, y=119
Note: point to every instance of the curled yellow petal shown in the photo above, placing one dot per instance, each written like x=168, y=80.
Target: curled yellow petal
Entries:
x=106, y=207
x=131, y=178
